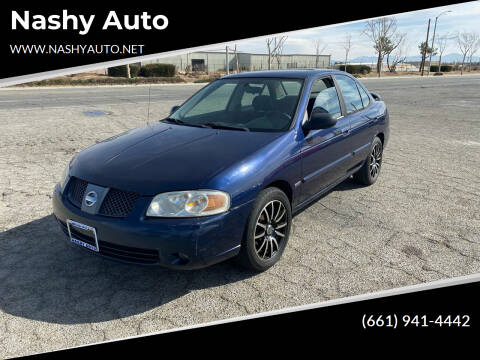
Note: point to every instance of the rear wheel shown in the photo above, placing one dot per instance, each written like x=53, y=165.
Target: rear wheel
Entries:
x=370, y=170
x=268, y=230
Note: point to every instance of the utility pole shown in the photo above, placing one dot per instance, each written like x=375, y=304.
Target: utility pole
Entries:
x=433, y=40
x=424, y=55
x=208, y=64
x=226, y=60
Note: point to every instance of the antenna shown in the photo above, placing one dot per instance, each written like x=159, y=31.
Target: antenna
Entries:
x=148, y=108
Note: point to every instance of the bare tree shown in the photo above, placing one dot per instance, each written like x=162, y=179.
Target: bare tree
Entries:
x=397, y=55
x=347, y=45
x=474, y=49
x=442, y=45
x=279, y=53
x=227, y=61
x=269, y=51
x=380, y=32
x=236, y=59
x=319, y=49
x=275, y=47
x=396, y=45
x=465, y=42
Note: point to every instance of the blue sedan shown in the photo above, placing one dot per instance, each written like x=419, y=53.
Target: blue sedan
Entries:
x=224, y=173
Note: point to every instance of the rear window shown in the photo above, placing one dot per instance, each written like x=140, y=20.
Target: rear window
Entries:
x=251, y=91
x=349, y=90
x=218, y=100
x=364, y=96
x=291, y=87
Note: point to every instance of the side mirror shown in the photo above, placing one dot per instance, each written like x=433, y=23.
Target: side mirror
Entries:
x=376, y=96
x=319, y=120
x=174, y=108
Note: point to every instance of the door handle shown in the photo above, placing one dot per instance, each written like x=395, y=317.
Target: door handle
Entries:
x=343, y=131
x=375, y=118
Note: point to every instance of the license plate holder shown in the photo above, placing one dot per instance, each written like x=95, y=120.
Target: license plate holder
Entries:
x=71, y=225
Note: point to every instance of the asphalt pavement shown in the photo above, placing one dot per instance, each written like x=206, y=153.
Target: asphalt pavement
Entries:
x=420, y=222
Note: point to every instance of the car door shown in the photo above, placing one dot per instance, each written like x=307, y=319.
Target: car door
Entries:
x=359, y=112
x=324, y=150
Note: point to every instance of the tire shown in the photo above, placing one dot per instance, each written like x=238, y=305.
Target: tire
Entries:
x=369, y=172
x=266, y=237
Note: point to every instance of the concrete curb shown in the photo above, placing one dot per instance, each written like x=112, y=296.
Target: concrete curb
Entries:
x=94, y=86
x=417, y=77
x=200, y=84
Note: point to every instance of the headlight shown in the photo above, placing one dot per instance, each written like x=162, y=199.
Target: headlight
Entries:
x=65, y=177
x=66, y=174
x=189, y=203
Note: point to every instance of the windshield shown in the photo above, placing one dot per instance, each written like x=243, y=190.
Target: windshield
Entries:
x=251, y=104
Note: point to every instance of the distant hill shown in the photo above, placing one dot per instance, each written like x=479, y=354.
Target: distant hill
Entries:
x=448, y=58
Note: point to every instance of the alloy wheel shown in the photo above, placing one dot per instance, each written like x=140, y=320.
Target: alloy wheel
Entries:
x=375, y=160
x=270, y=229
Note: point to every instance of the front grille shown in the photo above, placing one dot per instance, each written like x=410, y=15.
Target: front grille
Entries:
x=76, y=191
x=118, y=203
x=125, y=253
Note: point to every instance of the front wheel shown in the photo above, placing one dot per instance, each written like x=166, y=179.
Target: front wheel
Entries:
x=267, y=231
x=370, y=170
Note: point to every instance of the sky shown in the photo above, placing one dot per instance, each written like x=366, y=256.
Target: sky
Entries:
x=463, y=17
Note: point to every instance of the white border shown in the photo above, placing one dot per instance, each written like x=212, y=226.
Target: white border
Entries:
x=368, y=296
x=438, y=284
x=102, y=65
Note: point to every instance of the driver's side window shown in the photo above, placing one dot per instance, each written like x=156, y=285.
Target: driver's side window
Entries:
x=324, y=97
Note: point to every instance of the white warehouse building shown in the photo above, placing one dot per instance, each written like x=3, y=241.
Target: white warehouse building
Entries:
x=209, y=61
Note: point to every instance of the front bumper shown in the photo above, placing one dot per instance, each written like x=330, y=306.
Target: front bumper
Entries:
x=179, y=243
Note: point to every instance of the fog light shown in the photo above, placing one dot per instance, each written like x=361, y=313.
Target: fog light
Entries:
x=180, y=259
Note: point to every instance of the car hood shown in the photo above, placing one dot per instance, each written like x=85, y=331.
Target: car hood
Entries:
x=163, y=157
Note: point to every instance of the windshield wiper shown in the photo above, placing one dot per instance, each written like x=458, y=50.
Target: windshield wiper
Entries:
x=206, y=125
x=227, y=127
x=181, y=122
x=172, y=120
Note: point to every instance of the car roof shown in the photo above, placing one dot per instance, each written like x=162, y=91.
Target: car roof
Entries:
x=292, y=74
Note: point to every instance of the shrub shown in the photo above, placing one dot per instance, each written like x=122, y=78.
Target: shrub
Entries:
x=103, y=81
x=356, y=69
x=443, y=68
x=134, y=71
x=121, y=71
x=118, y=71
x=206, y=80
x=158, y=70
